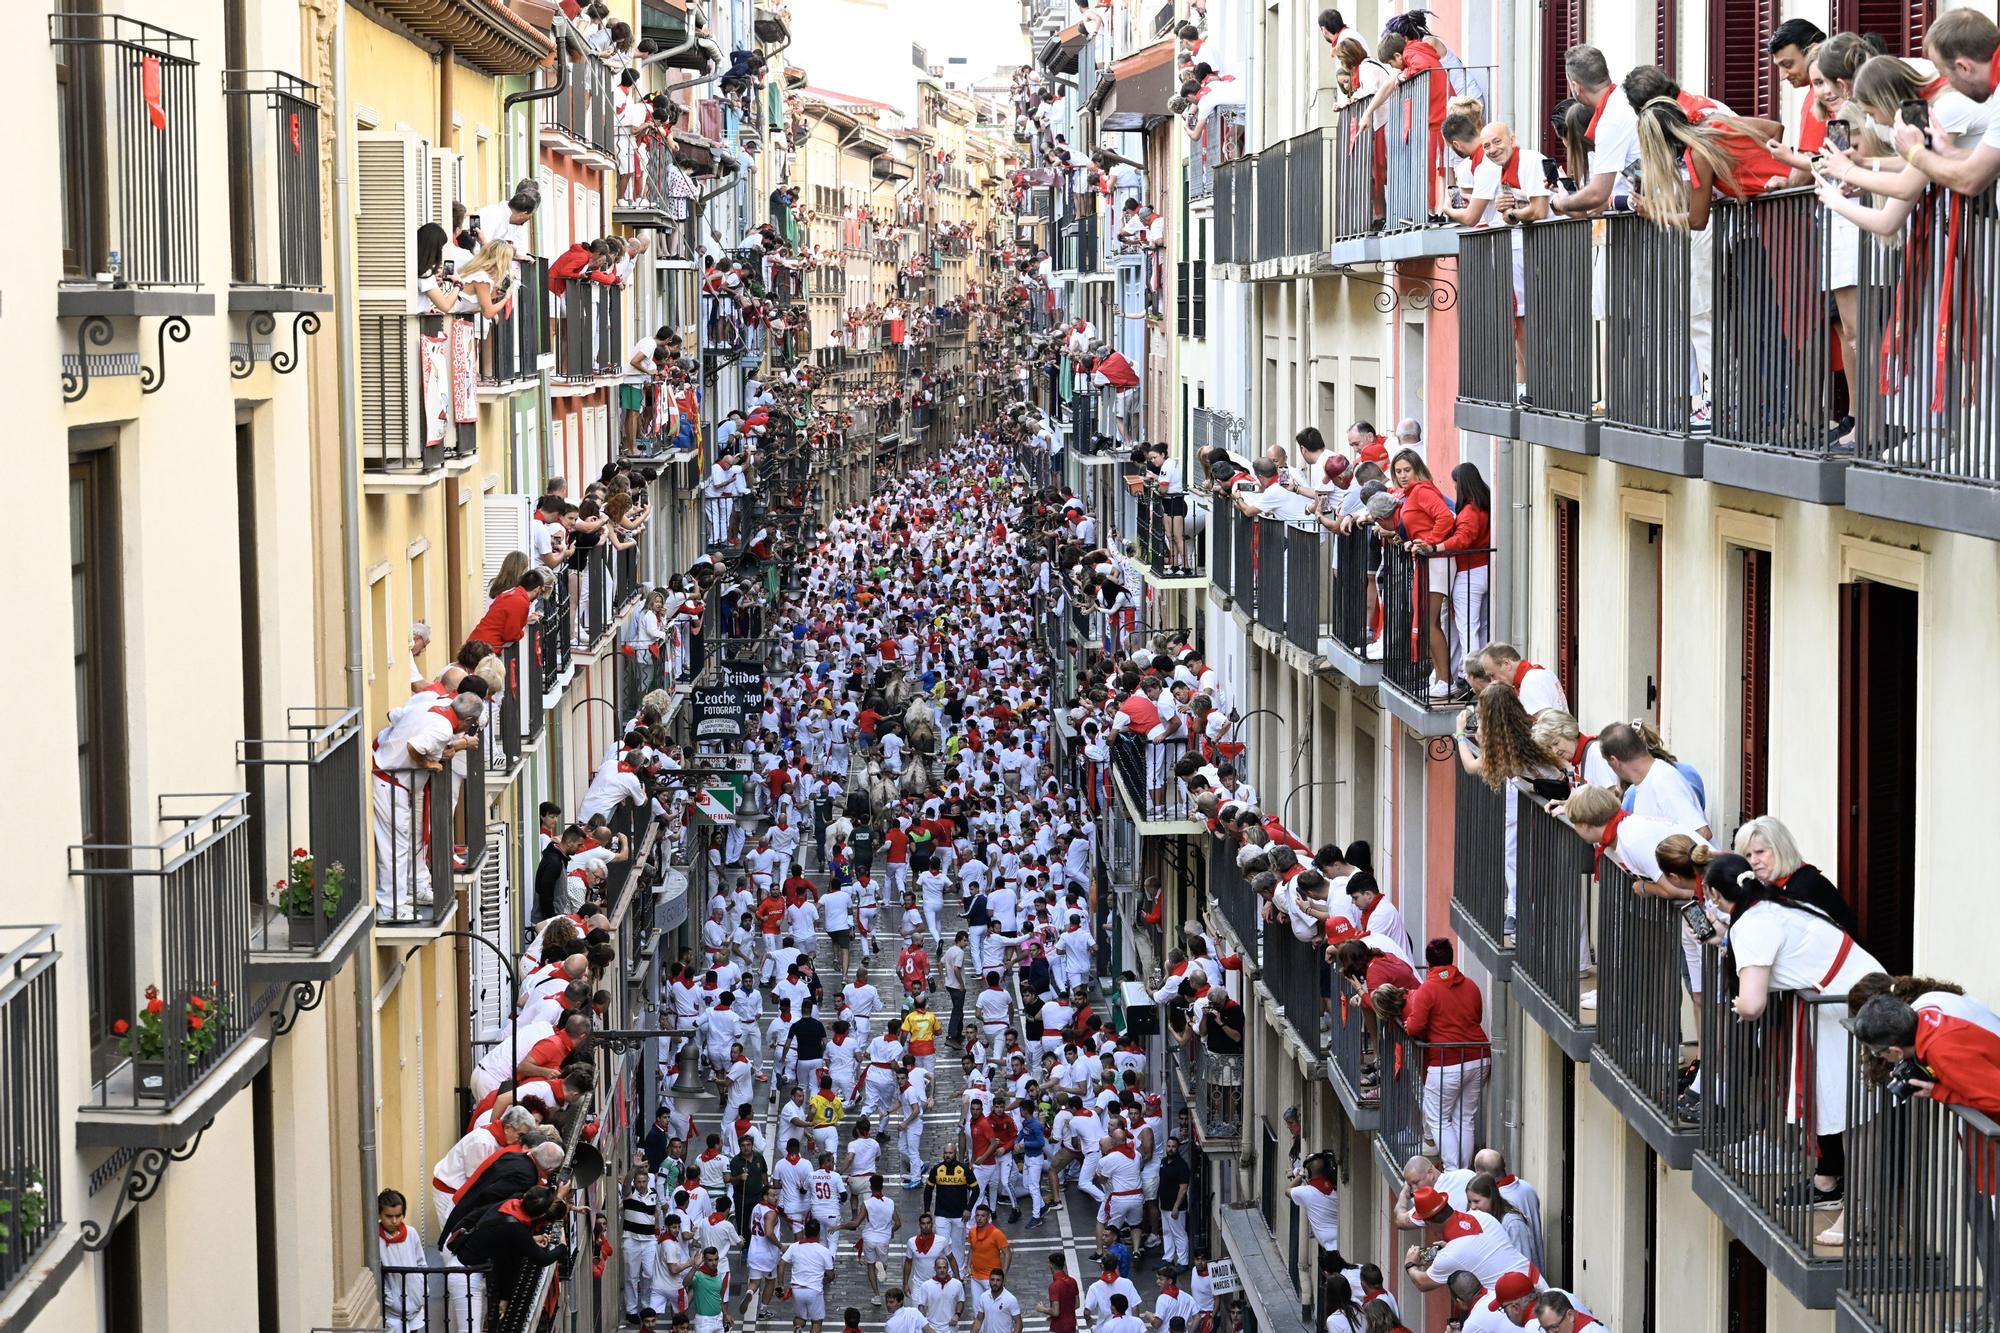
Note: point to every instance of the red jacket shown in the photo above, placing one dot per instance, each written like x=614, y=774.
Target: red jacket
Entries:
x=1117, y=372
x=1445, y=1013
x=506, y=619
x=575, y=263
x=1425, y=516
x=1472, y=530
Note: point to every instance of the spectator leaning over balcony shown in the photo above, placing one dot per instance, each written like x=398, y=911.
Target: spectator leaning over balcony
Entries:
x=1578, y=754
x=1953, y=1036
x=1771, y=851
x=413, y=748
x=1509, y=185
x=1965, y=47
x=1445, y=1014
x=1608, y=140
x=1537, y=685
x=1794, y=48
x=1507, y=757
x=1366, y=446
x=1778, y=943
x=1426, y=522
x=1269, y=499
x=508, y=220
x=1655, y=784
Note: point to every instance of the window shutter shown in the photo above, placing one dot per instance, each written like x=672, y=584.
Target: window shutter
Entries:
x=1181, y=298
x=492, y=918
x=390, y=170
x=505, y=531
x=1566, y=564
x=1740, y=75
x=447, y=185
x=1666, y=34
x=1198, y=303
x=1899, y=23
x=545, y=216
x=1756, y=685
x=558, y=207
x=1562, y=28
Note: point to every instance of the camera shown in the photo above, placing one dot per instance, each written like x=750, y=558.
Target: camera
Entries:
x=1699, y=923
x=1902, y=1072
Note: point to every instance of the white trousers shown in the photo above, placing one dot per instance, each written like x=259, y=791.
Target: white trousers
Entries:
x=1701, y=309
x=467, y=1293
x=951, y=1230
x=441, y=1204
x=1031, y=1180
x=718, y=511
x=639, y=1252
x=913, y=1147
x=402, y=871
x=1452, y=1094
x=1470, y=614
x=1174, y=1237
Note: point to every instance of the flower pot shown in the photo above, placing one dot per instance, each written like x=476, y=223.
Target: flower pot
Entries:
x=149, y=1079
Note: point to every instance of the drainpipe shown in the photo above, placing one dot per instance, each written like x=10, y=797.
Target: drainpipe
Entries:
x=697, y=21
x=543, y=422
x=350, y=552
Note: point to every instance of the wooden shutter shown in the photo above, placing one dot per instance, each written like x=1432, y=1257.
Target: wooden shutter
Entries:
x=503, y=529
x=391, y=171
x=1755, y=728
x=1562, y=28
x=1740, y=75
x=1666, y=34
x=1899, y=23
x=1181, y=298
x=492, y=919
x=447, y=186
x=1567, y=525
x=1878, y=765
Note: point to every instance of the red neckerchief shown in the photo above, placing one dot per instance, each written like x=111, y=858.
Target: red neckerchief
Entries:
x=1598, y=114
x=1510, y=172
x=396, y=1237
x=1521, y=670
x=1609, y=838
x=1506, y=1180
x=512, y=1208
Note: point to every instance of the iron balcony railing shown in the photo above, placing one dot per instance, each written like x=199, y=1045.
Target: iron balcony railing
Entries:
x=585, y=329
x=1301, y=980
x=1923, y=1251
x=468, y=783
x=1422, y=642
x=1651, y=379
x=1351, y=1044
x=1639, y=1025
x=1312, y=175
x=1080, y=250
x=1306, y=585
x=1357, y=211
x=1219, y=140
x=645, y=156
x=1553, y=904
x=307, y=851
x=1412, y=162
x=1270, y=240
x=1215, y=1085
x=541, y=1286
x=413, y=826
x=1242, y=556
x=510, y=350
x=274, y=191
x=1231, y=894
x=406, y=425
x=1410, y=1126
x=1930, y=402
x=33, y=1146
x=590, y=592
x=1083, y=422
x=1223, y=521
x=1146, y=770
x=126, y=101
x=1762, y=1110
x=1559, y=321
x=1480, y=870
x=1234, y=210
x=583, y=110
x=174, y=996
x=435, y=1296
x=1268, y=557
x=1774, y=384
x=1351, y=593
x=1486, y=309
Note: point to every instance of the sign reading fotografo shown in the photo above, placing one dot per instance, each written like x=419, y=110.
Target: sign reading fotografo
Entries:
x=723, y=709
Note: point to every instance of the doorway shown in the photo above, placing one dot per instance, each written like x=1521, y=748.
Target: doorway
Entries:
x=1878, y=765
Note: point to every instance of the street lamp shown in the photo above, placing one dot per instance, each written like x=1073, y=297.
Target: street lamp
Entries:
x=1284, y=811
x=513, y=984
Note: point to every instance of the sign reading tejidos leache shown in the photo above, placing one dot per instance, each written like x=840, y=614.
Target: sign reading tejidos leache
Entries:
x=724, y=706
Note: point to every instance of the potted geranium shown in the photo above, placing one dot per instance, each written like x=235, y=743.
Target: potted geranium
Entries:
x=21, y=1217
x=305, y=892
x=144, y=1039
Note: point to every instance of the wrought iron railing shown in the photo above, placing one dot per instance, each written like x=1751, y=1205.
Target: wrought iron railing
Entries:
x=1411, y=1126
x=175, y=998
x=274, y=178
x=1479, y=857
x=1651, y=381
x=1307, y=553
x=1268, y=557
x=33, y=1147
x=1559, y=321
x=1357, y=203
x=1640, y=956
x=511, y=348
x=1774, y=383
x=583, y=110
x=1486, y=362
x=1231, y=894
x=645, y=156
x=1422, y=644
x=1930, y=402
x=126, y=103
x=1273, y=180
x=414, y=824
x=1351, y=589
x=1553, y=903
x=305, y=796
x=1301, y=980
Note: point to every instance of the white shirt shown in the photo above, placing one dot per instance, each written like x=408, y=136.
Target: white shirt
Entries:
x=1475, y=1242
x=908, y=1319
x=1097, y=1297
x=1617, y=140
x=1322, y=1210
x=811, y=1262
x=1665, y=793
x=996, y=1313
x=940, y=1299
x=1285, y=505
x=1541, y=689
x=1488, y=185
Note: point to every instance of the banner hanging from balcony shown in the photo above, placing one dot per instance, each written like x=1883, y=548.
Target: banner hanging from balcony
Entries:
x=149, y=89
x=724, y=707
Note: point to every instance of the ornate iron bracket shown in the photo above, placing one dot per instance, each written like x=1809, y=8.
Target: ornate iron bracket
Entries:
x=154, y=378
x=93, y=332
x=1385, y=300
x=142, y=1179
x=1442, y=749
x=240, y=367
x=303, y=997
x=620, y=1041
x=1433, y=293
x=306, y=325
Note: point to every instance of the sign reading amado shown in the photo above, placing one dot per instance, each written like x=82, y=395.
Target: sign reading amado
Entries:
x=723, y=708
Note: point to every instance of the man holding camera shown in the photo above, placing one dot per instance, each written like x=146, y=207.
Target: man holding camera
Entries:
x=1943, y=1046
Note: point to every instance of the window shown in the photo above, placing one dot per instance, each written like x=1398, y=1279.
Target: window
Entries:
x=97, y=666
x=1900, y=23
x=1666, y=34
x=1562, y=28
x=380, y=623
x=1753, y=682
x=420, y=589
x=1568, y=531
x=1740, y=75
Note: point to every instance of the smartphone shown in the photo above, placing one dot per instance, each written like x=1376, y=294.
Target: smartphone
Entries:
x=1837, y=134
x=450, y=267
x=1916, y=113
x=1631, y=172
x=1551, y=172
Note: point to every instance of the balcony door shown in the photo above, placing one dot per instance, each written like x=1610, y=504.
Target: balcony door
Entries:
x=80, y=93
x=1645, y=574
x=97, y=665
x=1878, y=764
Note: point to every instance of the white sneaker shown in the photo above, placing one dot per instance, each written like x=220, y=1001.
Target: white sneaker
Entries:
x=1373, y=652
x=1438, y=689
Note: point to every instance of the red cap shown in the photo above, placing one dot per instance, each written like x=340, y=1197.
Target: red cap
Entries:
x=1512, y=1287
x=1429, y=1203
x=1339, y=928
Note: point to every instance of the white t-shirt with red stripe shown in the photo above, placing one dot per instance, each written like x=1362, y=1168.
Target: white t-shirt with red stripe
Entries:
x=1476, y=1243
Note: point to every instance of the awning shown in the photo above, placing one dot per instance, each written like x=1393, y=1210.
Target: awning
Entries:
x=1060, y=53
x=484, y=33
x=694, y=154
x=1141, y=86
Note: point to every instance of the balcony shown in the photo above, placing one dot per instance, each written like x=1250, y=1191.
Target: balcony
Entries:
x=1301, y=984
x=1480, y=890
x=1929, y=1256
x=32, y=1147
x=411, y=431
x=1928, y=442
x=439, y=1296
x=1652, y=376
x=1295, y=205
x=1774, y=384
x=1156, y=547
x=1559, y=336
x=644, y=162
x=1392, y=173
x=1079, y=251
x=1351, y=1044
x=169, y=974
x=1219, y=140
x=512, y=347
x=585, y=329
x=1552, y=936
x=1234, y=212
x=274, y=193
x=414, y=823
x=581, y=122
x=1487, y=332
x=1412, y=649
x=126, y=98
x=1407, y=1129
x=553, y=643
x=1755, y=1153
x=1229, y=893
x=1155, y=799
x=1636, y=1062
x=306, y=845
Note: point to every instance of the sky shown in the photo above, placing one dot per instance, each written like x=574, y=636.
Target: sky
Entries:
x=986, y=32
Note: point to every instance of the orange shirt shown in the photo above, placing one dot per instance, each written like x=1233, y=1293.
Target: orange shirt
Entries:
x=988, y=1245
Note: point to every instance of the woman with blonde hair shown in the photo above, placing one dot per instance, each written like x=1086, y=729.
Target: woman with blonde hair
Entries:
x=1771, y=851
x=486, y=280
x=1726, y=153
x=1881, y=86
x=512, y=566
x=1565, y=743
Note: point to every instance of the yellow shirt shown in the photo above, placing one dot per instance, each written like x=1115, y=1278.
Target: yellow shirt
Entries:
x=823, y=1111
x=921, y=1026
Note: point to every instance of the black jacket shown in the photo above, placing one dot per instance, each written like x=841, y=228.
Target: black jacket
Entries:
x=548, y=880
x=509, y=1178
